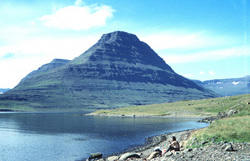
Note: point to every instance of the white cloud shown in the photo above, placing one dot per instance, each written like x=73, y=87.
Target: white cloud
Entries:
x=207, y=55
x=13, y=70
x=50, y=47
x=212, y=73
x=202, y=73
x=179, y=46
x=32, y=53
x=184, y=40
x=78, y=17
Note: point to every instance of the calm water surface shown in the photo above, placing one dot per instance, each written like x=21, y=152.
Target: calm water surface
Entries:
x=70, y=136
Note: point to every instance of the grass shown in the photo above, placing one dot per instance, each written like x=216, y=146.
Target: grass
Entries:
x=204, y=107
x=233, y=129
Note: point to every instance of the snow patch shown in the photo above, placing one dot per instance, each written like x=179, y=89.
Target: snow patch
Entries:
x=235, y=83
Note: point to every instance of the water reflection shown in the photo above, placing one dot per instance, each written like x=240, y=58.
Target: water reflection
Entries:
x=74, y=136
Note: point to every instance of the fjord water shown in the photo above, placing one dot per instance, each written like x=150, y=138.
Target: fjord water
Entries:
x=72, y=136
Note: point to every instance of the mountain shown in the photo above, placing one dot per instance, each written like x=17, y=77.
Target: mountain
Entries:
x=47, y=67
x=2, y=90
x=119, y=70
x=227, y=87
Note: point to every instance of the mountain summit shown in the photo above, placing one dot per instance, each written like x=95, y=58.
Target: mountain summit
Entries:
x=119, y=70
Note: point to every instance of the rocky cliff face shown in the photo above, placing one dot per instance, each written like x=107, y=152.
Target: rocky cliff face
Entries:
x=119, y=70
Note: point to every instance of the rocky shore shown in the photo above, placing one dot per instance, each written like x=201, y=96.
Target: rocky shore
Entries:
x=212, y=151
x=209, y=151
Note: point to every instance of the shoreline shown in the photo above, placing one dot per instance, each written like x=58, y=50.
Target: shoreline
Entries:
x=172, y=115
x=154, y=141
x=208, y=151
x=151, y=142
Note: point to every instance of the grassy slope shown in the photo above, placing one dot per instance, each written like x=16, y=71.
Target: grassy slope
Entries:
x=205, y=107
x=232, y=129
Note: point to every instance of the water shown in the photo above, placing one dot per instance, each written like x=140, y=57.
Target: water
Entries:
x=71, y=136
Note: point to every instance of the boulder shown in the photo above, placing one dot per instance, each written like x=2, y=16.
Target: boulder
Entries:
x=112, y=158
x=204, y=142
x=94, y=156
x=168, y=154
x=221, y=115
x=231, y=112
x=187, y=150
x=129, y=155
x=228, y=147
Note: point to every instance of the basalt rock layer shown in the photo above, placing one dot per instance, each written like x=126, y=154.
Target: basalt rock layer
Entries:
x=119, y=70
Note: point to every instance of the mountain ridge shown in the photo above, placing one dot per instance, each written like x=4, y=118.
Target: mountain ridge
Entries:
x=119, y=70
x=227, y=86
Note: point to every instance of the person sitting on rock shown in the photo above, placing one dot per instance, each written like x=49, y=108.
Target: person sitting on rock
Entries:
x=174, y=145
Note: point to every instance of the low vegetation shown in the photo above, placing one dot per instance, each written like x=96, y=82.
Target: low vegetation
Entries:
x=199, y=108
x=233, y=129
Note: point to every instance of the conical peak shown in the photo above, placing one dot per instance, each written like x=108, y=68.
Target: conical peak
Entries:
x=121, y=47
x=118, y=36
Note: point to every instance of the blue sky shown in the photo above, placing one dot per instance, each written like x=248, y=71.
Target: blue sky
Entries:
x=199, y=39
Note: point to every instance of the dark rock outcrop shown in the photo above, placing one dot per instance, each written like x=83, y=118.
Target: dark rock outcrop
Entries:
x=119, y=70
x=219, y=116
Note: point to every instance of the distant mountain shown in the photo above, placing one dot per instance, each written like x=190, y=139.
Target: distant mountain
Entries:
x=3, y=90
x=227, y=87
x=119, y=70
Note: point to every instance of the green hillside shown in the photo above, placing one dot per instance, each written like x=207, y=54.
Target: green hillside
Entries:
x=200, y=108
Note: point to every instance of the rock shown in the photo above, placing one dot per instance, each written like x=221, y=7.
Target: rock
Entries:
x=209, y=119
x=228, y=147
x=95, y=156
x=129, y=155
x=204, y=142
x=221, y=115
x=112, y=158
x=231, y=112
x=168, y=154
x=101, y=159
x=194, y=141
x=187, y=150
x=191, y=155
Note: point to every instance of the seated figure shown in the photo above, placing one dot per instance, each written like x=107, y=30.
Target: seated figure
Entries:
x=174, y=145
